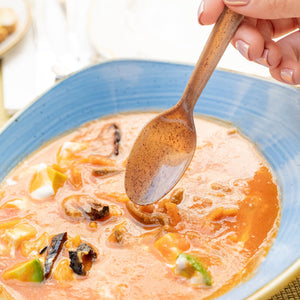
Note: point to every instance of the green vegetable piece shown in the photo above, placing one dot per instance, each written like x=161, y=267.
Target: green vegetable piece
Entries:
x=30, y=271
x=198, y=266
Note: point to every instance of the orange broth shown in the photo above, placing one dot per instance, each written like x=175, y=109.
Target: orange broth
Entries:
x=224, y=211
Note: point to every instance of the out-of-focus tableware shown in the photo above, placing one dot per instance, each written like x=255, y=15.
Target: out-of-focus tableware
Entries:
x=165, y=30
x=22, y=10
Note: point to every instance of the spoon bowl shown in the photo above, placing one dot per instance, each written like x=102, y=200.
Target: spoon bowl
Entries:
x=166, y=145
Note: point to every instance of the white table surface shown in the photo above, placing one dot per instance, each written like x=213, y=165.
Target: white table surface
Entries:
x=99, y=30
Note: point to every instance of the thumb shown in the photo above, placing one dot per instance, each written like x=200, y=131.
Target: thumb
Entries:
x=266, y=9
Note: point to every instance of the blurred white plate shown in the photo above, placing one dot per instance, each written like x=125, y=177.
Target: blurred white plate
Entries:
x=22, y=10
x=158, y=29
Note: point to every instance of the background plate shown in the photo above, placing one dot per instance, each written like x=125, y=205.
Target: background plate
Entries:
x=164, y=30
x=22, y=10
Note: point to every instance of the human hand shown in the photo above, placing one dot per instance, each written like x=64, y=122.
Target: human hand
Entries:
x=265, y=20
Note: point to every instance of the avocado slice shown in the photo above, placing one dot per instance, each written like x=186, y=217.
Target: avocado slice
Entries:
x=45, y=182
x=196, y=265
x=30, y=271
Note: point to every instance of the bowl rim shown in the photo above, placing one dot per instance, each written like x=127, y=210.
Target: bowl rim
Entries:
x=278, y=283
x=291, y=272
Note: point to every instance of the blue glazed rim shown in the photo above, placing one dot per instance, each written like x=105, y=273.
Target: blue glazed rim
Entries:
x=265, y=112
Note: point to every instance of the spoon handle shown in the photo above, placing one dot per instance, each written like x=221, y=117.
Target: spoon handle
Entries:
x=216, y=45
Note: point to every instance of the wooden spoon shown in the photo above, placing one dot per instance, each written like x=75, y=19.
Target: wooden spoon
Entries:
x=166, y=145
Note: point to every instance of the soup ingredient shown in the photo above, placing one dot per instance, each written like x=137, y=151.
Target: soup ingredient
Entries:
x=63, y=273
x=190, y=267
x=99, y=160
x=27, y=271
x=117, y=139
x=72, y=204
x=113, y=133
x=96, y=211
x=73, y=242
x=34, y=247
x=79, y=206
x=43, y=250
x=146, y=217
x=68, y=151
x=171, y=245
x=75, y=177
x=54, y=249
x=82, y=259
x=177, y=196
x=18, y=203
x=164, y=212
x=119, y=232
x=45, y=182
x=105, y=172
x=15, y=235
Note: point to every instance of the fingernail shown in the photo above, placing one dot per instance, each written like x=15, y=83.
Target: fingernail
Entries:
x=263, y=60
x=236, y=2
x=200, y=11
x=287, y=75
x=243, y=48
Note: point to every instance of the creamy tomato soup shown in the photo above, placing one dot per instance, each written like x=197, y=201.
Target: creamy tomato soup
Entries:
x=69, y=231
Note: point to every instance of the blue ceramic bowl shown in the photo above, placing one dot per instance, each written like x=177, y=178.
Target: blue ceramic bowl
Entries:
x=267, y=113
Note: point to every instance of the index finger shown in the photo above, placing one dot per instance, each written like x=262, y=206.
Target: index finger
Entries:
x=265, y=9
x=212, y=9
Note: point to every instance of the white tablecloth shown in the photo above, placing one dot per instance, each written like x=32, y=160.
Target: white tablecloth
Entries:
x=158, y=29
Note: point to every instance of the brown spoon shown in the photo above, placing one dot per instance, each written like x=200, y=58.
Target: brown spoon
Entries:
x=166, y=145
